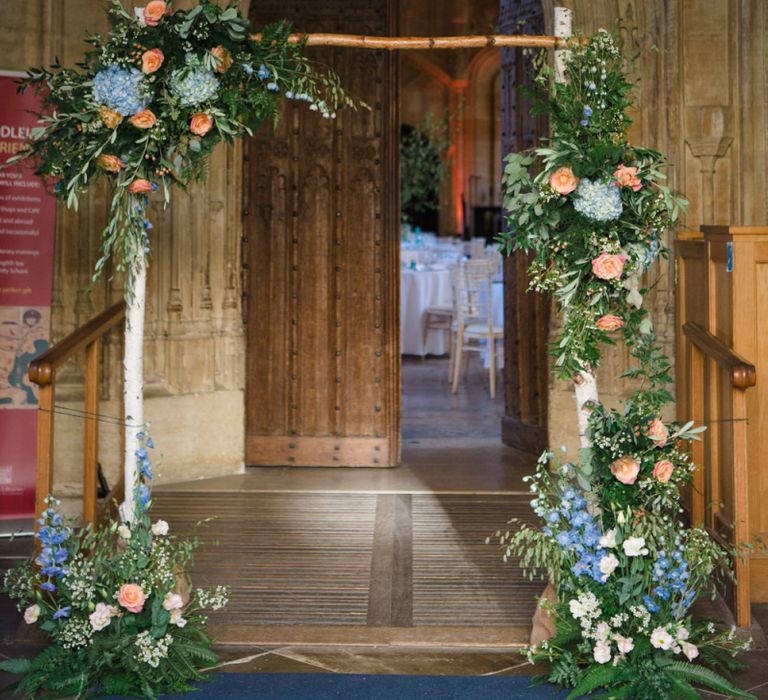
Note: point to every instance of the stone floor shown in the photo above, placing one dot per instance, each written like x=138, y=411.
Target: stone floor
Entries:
x=437, y=427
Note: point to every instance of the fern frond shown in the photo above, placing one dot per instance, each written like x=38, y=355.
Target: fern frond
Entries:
x=703, y=676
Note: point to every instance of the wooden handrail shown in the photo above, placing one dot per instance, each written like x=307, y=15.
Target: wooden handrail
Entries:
x=743, y=373
x=42, y=372
x=727, y=522
x=42, y=369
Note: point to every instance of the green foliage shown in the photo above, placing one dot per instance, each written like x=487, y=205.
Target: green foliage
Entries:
x=81, y=139
x=423, y=154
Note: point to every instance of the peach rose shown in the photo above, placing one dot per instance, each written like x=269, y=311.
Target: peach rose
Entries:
x=131, y=597
x=658, y=432
x=144, y=119
x=626, y=469
x=110, y=118
x=112, y=164
x=223, y=58
x=154, y=12
x=609, y=322
x=563, y=180
x=151, y=60
x=200, y=124
x=608, y=267
x=627, y=177
x=662, y=471
x=140, y=187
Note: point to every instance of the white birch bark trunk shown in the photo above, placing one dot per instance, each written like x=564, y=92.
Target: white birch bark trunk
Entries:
x=133, y=384
x=585, y=384
x=563, y=30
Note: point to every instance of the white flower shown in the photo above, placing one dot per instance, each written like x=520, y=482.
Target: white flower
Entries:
x=620, y=519
x=635, y=547
x=683, y=634
x=608, y=540
x=602, y=653
x=602, y=631
x=691, y=651
x=607, y=565
x=139, y=12
x=176, y=618
x=624, y=644
x=102, y=616
x=173, y=601
x=661, y=639
x=31, y=614
x=160, y=528
x=125, y=532
x=577, y=608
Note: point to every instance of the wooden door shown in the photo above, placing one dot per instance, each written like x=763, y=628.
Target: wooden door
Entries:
x=321, y=252
x=526, y=314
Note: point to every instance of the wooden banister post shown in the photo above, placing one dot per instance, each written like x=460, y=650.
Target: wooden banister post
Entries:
x=91, y=431
x=696, y=407
x=44, y=470
x=740, y=515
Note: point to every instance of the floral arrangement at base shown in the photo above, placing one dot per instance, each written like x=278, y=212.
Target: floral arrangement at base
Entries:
x=117, y=605
x=592, y=208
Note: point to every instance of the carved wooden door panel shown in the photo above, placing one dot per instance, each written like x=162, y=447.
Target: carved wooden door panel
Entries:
x=321, y=251
x=526, y=315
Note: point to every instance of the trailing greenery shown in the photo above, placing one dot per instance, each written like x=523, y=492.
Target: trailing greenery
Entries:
x=151, y=100
x=625, y=568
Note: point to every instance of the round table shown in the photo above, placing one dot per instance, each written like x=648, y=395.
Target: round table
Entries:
x=420, y=289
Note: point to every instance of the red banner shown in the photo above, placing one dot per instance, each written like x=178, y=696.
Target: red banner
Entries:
x=27, y=226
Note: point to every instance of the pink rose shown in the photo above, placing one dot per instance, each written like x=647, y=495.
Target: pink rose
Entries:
x=151, y=60
x=563, y=181
x=627, y=177
x=154, y=12
x=140, y=186
x=608, y=267
x=200, y=123
x=662, y=471
x=658, y=432
x=131, y=597
x=626, y=469
x=609, y=323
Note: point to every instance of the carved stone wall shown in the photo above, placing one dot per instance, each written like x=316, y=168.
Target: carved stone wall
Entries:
x=702, y=100
x=194, y=350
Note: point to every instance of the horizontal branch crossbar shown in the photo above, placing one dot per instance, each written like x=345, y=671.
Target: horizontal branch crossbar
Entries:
x=398, y=43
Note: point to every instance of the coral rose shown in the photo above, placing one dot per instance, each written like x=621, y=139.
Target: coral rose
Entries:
x=151, y=60
x=144, y=119
x=563, y=181
x=110, y=118
x=626, y=469
x=223, y=58
x=608, y=267
x=200, y=124
x=627, y=177
x=609, y=322
x=140, y=187
x=112, y=164
x=658, y=432
x=131, y=597
x=662, y=471
x=154, y=12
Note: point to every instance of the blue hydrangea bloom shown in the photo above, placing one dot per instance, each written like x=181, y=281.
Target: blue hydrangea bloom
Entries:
x=194, y=86
x=598, y=201
x=120, y=89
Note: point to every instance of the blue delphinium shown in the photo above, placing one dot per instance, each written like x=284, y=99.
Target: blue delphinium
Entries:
x=194, y=85
x=263, y=73
x=120, y=89
x=598, y=201
x=670, y=583
x=143, y=491
x=53, y=536
x=579, y=534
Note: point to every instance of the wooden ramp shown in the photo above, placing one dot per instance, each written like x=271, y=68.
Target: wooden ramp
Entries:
x=358, y=568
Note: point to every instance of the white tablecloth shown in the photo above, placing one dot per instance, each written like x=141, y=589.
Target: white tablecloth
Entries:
x=420, y=289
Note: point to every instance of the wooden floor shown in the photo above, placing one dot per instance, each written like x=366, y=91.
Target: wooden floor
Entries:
x=373, y=556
